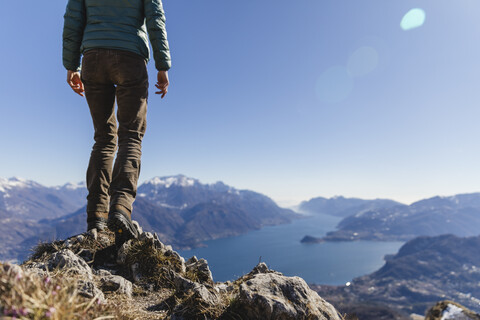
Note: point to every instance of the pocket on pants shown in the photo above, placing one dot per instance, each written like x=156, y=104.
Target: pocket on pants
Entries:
x=132, y=68
x=89, y=65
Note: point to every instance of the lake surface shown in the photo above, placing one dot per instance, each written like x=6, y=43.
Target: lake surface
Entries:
x=280, y=248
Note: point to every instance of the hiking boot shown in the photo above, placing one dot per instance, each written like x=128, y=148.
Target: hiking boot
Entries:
x=120, y=222
x=97, y=220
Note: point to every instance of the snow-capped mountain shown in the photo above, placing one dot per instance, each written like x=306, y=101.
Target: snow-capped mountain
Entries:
x=182, y=210
x=182, y=192
x=30, y=200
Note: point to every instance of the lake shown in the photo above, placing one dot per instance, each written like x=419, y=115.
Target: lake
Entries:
x=279, y=247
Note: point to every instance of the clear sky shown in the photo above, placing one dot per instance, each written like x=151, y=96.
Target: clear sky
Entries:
x=293, y=99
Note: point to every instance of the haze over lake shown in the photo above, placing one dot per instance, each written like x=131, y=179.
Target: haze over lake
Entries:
x=280, y=247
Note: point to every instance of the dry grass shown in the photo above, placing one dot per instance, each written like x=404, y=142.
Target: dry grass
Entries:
x=43, y=250
x=152, y=263
x=27, y=295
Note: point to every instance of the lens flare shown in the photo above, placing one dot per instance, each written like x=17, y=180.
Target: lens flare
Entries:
x=413, y=19
x=334, y=85
x=363, y=61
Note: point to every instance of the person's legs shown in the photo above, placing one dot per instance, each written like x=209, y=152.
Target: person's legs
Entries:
x=100, y=94
x=130, y=75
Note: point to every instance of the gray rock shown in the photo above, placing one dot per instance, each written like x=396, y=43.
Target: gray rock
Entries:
x=200, y=269
x=38, y=268
x=116, y=284
x=272, y=296
x=102, y=272
x=89, y=290
x=260, y=268
x=221, y=288
x=157, y=243
x=201, y=292
x=80, y=238
x=182, y=284
x=192, y=260
x=67, y=261
x=137, y=226
x=67, y=244
x=199, y=299
x=92, y=233
x=176, y=255
x=122, y=252
x=136, y=274
x=449, y=310
x=146, y=236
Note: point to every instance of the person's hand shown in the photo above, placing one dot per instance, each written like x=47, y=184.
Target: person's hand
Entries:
x=74, y=81
x=162, y=83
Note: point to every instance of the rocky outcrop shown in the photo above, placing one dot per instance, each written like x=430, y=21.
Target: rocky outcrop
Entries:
x=267, y=294
x=152, y=281
x=448, y=310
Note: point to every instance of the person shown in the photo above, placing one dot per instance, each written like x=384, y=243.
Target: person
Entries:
x=112, y=37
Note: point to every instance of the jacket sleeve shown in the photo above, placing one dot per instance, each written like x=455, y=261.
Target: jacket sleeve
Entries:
x=74, y=25
x=155, y=19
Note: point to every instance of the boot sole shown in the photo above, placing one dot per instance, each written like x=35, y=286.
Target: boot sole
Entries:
x=122, y=226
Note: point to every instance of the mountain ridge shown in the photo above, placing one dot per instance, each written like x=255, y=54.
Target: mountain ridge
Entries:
x=182, y=210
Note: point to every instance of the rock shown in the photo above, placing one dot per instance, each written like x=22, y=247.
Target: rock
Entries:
x=158, y=244
x=201, y=292
x=221, y=288
x=137, y=226
x=69, y=262
x=89, y=290
x=92, y=233
x=117, y=284
x=260, y=268
x=182, y=284
x=272, y=296
x=86, y=255
x=200, y=269
x=122, y=252
x=80, y=238
x=171, y=253
x=38, y=268
x=193, y=259
x=146, y=236
x=448, y=310
x=136, y=274
x=199, y=303
x=102, y=272
x=12, y=269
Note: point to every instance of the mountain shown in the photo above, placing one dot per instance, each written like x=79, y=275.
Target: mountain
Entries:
x=185, y=212
x=181, y=210
x=459, y=215
x=425, y=270
x=27, y=199
x=24, y=203
x=344, y=207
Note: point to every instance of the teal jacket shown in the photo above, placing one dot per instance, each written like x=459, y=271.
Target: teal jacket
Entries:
x=115, y=24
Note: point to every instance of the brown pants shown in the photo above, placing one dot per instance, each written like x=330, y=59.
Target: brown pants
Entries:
x=108, y=74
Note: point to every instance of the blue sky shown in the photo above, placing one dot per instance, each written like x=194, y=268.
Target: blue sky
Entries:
x=293, y=99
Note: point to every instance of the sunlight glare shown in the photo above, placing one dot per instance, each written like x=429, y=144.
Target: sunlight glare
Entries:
x=413, y=19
